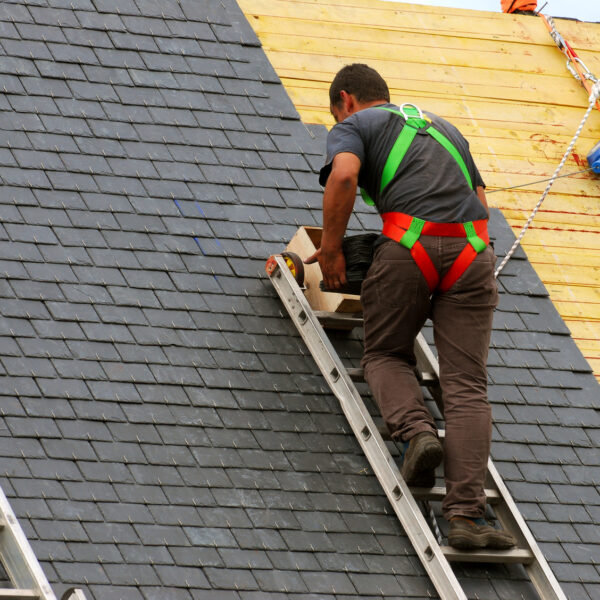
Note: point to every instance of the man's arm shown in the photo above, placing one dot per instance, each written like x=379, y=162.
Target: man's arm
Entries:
x=338, y=201
x=481, y=195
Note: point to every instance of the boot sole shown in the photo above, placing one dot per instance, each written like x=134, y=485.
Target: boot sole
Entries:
x=478, y=541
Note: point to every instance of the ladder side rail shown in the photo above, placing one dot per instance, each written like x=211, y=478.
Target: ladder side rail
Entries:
x=426, y=360
x=365, y=430
x=538, y=570
x=507, y=511
x=17, y=556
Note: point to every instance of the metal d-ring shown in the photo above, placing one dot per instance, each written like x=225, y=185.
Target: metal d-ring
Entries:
x=407, y=116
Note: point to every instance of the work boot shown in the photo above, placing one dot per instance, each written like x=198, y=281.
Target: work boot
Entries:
x=422, y=455
x=475, y=534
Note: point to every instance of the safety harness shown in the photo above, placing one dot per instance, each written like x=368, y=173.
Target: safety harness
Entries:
x=406, y=229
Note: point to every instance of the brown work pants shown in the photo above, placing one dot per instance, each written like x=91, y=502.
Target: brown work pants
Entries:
x=396, y=302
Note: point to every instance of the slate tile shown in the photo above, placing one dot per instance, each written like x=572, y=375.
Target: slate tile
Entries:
x=38, y=488
x=33, y=49
x=7, y=159
x=227, y=578
x=588, y=534
x=19, y=66
x=74, y=511
x=88, y=37
x=577, y=572
x=568, y=358
x=36, y=367
x=578, y=417
x=563, y=513
x=156, y=79
x=97, y=553
x=45, y=87
x=209, y=477
x=176, y=575
x=547, y=321
x=549, y=474
x=234, y=558
x=517, y=376
x=555, y=454
x=63, y=530
x=8, y=30
x=571, y=436
x=211, y=536
x=34, y=104
x=333, y=583
x=9, y=347
x=577, y=494
x=527, y=492
x=13, y=85
x=184, y=47
x=583, y=398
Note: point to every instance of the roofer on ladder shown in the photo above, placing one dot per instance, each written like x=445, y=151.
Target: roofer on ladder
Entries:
x=421, y=176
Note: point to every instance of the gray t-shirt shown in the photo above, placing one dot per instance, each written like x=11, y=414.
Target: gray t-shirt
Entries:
x=428, y=184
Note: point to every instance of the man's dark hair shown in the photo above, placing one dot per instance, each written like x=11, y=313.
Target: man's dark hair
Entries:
x=361, y=80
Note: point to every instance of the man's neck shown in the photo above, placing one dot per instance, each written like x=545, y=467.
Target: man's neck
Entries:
x=364, y=105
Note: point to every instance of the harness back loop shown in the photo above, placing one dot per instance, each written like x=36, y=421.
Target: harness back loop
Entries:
x=413, y=233
x=478, y=244
x=412, y=115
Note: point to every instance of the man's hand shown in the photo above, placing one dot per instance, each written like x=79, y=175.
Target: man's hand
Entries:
x=333, y=267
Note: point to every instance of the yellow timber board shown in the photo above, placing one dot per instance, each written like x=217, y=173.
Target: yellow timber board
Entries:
x=502, y=81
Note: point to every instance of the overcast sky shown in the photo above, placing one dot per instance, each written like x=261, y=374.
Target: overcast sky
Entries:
x=585, y=10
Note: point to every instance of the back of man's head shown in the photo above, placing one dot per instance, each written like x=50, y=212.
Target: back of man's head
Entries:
x=365, y=83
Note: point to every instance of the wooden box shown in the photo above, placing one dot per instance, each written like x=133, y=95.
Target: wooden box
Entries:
x=306, y=241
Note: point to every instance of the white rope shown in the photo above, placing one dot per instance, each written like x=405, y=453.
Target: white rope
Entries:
x=434, y=523
x=595, y=94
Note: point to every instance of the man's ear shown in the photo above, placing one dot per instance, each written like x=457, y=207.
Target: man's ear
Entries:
x=348, y=100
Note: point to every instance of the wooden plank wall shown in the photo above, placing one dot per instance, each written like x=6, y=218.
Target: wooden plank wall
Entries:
x=502, y=81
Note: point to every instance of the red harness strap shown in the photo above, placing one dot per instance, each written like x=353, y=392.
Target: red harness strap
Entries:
x=406, y=230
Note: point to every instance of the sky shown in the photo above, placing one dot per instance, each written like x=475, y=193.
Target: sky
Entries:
x=585, y=10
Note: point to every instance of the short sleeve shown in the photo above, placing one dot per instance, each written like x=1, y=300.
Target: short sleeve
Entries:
x=344, y=137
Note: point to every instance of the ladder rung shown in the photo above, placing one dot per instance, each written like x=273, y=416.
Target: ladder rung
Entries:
x=438, y=493
x=15, y=594
x=515, y=555
x=339, y=320
x=358, y=374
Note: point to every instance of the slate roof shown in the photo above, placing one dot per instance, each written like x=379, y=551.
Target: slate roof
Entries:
x=163, y=432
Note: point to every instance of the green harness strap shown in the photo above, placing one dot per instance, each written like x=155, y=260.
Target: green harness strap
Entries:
x=478, y=244
x=414, y=122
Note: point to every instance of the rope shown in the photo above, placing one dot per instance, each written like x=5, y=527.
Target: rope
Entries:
x=514, y=187
x=594, y=95
x=434, y=523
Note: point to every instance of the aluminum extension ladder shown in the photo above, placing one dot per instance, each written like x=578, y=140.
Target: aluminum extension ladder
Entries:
x=434, y=557
x=20, y=563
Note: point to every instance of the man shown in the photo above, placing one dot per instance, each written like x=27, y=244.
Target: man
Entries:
x=519, y=7
x=436, y=182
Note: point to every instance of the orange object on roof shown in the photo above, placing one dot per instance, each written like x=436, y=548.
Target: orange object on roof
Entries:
x=509, y=6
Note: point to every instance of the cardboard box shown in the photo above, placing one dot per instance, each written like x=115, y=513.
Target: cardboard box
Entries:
x=306, y=241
